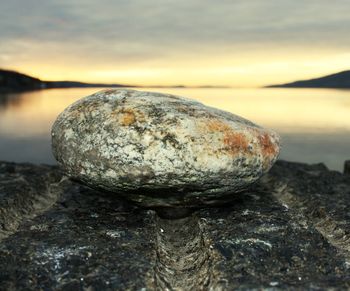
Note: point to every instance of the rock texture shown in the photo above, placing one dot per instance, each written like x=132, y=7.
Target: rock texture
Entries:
x=159, y=149
x=290, y=231
x=347, y=167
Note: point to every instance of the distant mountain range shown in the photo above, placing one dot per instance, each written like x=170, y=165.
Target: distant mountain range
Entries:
x=339, y=80
x=13, y=81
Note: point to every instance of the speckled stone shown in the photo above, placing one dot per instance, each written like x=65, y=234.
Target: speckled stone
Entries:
x=160, y=149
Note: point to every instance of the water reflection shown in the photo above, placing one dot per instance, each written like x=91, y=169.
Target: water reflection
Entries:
x=7, y=100
x=314, y=123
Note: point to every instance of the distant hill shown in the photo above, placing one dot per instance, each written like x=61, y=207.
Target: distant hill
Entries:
x=339, y=80
x=14, y=81
x=10, y=80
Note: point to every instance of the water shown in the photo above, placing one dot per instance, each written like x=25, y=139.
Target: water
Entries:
x=314, y=123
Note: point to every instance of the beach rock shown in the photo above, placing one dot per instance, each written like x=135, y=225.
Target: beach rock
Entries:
x=290, y=231
x=160, y=149
x=347, y=167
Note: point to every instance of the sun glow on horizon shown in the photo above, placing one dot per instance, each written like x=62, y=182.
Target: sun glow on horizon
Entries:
x=246, y=70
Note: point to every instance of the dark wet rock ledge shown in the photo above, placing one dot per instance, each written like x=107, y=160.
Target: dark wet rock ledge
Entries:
x=290, y=231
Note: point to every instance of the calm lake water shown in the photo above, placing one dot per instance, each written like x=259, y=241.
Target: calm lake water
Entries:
x=314, y=123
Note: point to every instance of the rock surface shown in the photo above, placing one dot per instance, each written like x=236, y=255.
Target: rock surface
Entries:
x=159, y=149
x=347, y=167
x=291, y=231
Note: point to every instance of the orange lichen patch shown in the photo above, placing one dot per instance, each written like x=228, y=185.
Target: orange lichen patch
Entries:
x=127, y=117
x=235, y=143
x=267, y=146
x=217, y=125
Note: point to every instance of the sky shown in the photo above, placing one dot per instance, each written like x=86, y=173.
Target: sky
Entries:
x=238, y=43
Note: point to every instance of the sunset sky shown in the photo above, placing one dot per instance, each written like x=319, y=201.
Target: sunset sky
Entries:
x=191, y=42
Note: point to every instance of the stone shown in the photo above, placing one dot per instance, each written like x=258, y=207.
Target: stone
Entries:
x=347, y=167
x=159, y=149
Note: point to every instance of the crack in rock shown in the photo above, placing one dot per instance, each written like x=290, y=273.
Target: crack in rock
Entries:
x=183, y=256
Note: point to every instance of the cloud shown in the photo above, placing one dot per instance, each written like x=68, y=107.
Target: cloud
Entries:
x=113, y=33
x=165, y=22
x=204, y=21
